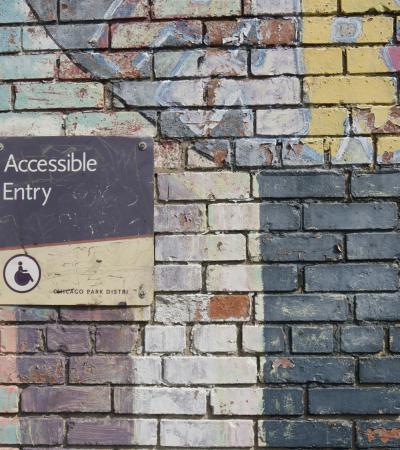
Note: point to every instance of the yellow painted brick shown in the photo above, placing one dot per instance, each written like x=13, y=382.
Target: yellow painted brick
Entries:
x=350, y=90
x=347, y=30
x=388, y=144
x=366, y=60
x=328, y=122
x=354, y=6
x=326, y=60
x=319, y=6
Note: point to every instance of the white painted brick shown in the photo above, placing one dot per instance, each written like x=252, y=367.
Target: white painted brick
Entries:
x=270, y=91
x=202, y=308
x=253, y=216
x=256, y=401
x=159, y=339
x=155, y=400
x=31, y=124
x=262, y=339
x=251, y=278
x=162, y=93
x=214, y=338
x=173, y=277
x=180, y=218
x=207, y=433
x=204, y=186
x=210, y=370
x=277, y=61
x=228, y=247
x=261, y=7
x=283, y=122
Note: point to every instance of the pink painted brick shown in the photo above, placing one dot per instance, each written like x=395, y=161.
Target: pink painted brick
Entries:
x=20, y=339
x=117, y=339
x=115, y=370
x=69, y=339
x=32, y=369
x=112, y=431
x=58, y=399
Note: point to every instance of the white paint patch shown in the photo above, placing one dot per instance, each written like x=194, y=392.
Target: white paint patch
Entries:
x=346, y=29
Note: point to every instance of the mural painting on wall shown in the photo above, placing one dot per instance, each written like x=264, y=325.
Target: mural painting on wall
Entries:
x=76, y=221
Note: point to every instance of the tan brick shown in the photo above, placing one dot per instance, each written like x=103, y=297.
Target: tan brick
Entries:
x=350, y=90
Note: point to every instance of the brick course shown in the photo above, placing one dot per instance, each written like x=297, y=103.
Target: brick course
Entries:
x=277, y=152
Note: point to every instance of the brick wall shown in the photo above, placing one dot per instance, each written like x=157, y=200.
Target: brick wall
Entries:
x=275, y=322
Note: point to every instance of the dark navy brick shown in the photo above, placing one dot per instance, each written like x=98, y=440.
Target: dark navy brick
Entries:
x=373, y=434
x=302, y=308
x=305, y=433
x=307, y=369
x=373, y=246
x=312, y=339
x=351, y=277
x=359, y=339
x=380, y=370
x=352, y=216
x=296, y=247
x=394, y=339
x=375, y=184
x=378, y=307
x=354, y=401
x=299, y=185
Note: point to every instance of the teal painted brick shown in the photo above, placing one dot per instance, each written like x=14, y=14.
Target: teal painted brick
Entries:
x=5, y=97
x=29, y=124
x=9, y=399
x=59, y=95
x=10, y=39
x=27, y=67
x=36, y=38
x=12, y=11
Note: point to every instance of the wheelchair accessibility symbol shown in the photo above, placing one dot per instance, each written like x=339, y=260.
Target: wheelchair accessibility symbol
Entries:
x=22, y=273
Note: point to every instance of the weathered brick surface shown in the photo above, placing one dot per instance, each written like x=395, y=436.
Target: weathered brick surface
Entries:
x=66, y=399
x=277, y=152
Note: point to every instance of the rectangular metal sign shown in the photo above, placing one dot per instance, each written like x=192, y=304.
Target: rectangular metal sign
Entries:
x=76, y=221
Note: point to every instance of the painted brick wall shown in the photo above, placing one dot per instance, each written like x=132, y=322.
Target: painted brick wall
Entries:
x=275, y=322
